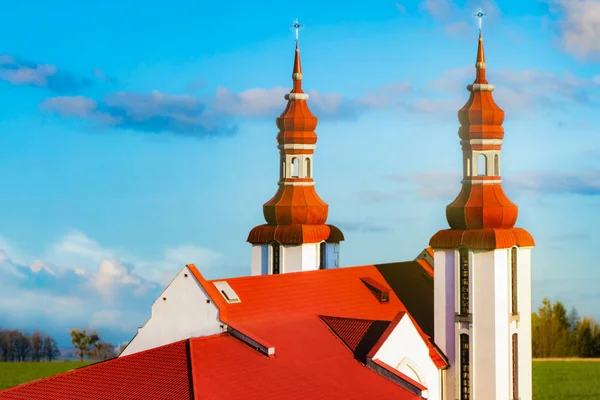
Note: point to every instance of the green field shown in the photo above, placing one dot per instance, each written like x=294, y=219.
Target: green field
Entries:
x=552, y=380
x=12, y=374
x=558, y=380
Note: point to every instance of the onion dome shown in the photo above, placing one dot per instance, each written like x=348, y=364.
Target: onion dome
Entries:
x=296, y=214
x=482, y=208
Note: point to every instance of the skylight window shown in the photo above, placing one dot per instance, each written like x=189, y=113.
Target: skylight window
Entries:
x=227, y=292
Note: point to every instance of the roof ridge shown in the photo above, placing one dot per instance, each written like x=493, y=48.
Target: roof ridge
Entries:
x=287, y=274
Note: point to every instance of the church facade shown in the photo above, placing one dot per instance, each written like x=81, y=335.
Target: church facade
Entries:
x=455, y=323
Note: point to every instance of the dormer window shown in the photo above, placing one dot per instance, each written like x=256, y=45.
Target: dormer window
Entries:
x=227, y=292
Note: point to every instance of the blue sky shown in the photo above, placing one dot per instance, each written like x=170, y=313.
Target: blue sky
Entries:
x=138, y=137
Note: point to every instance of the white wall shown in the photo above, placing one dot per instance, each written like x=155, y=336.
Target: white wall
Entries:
x=405, y=350
x=294, y=258
x=260, y=259
x=332, y=252
x=445, y=334
x=184, y=314
x=492, y=323
x=522, y=325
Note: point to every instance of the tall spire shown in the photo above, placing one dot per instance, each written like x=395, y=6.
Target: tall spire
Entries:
x=296, y=215
x=482, y=204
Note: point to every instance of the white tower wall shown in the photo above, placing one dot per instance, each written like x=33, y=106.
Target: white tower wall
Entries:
x=490, y=325
x=294, y=258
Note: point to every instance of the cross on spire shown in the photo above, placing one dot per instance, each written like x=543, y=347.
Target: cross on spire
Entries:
x=296, y=26
x=480, y=14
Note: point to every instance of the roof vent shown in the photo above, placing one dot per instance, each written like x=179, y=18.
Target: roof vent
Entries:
x=381, y=292
x=258, y=344
x=227, y=292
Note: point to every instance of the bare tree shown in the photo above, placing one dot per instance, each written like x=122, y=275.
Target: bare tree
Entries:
x=49, y=349
x=104, y=351
x=21, y=346
x=37, y=342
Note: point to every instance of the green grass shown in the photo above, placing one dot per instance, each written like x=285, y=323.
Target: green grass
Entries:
x=573, y=380
x=12, y=374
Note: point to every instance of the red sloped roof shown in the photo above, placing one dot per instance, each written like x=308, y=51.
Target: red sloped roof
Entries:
x=161, y=373
x=317, y=367
x=350, y=331
x=309, y=361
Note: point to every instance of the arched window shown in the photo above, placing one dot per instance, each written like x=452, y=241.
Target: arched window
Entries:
x=481, y=165
x=282, y=168
x=322, y=255
x=496, y=165
x=513, y=285
x=276, y=258
x=465, y=373
x=515, y=366
x=464, y=281
x=468, y=167
x=307, y=166
x=295, y=167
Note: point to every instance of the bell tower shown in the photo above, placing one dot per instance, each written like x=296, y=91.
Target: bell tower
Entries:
x=482, y=280
x=295, y=237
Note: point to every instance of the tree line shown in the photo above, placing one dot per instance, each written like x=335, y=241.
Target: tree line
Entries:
x=556, y=333
x=19, y=346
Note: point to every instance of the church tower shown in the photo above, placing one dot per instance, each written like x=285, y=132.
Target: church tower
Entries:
x=482, y=280
x=295, y=237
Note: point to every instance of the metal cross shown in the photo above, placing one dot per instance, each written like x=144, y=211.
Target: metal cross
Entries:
x=480, y=14
x=296, y=26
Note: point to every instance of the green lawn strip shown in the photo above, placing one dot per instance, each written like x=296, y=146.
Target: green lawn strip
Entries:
x=573, y=380
x=13, y=373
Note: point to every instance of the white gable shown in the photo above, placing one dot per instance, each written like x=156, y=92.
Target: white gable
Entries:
x=182, y=311
x=406, y=351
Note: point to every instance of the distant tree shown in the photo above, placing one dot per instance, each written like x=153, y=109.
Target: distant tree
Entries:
x=535, y=336
x=37, y=342
x=588, y=338
x=104, y=351
x=49, y=349
x=559, y=332
x=83, y=342
x=573, y=319
x=21, y=346
x=573, y=324
x=544, y=328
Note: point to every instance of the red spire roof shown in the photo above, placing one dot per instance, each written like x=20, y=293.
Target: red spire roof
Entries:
x=296, y=214
x=482, y=204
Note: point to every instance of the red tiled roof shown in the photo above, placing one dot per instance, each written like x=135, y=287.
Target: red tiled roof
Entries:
x=349, y=330
x=161, y=373
x=226, y=368
x=426, y=267
x=309, y=361
x=430, y=251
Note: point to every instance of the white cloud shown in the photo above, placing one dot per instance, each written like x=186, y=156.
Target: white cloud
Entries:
x=579, y=26
x=439, y=9
x=80, y=283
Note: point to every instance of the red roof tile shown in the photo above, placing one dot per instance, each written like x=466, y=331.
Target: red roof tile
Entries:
x=161, y=373
x=349, y=330
x=309, y=361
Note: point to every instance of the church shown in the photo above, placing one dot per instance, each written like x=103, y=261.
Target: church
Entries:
x=454, y=323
